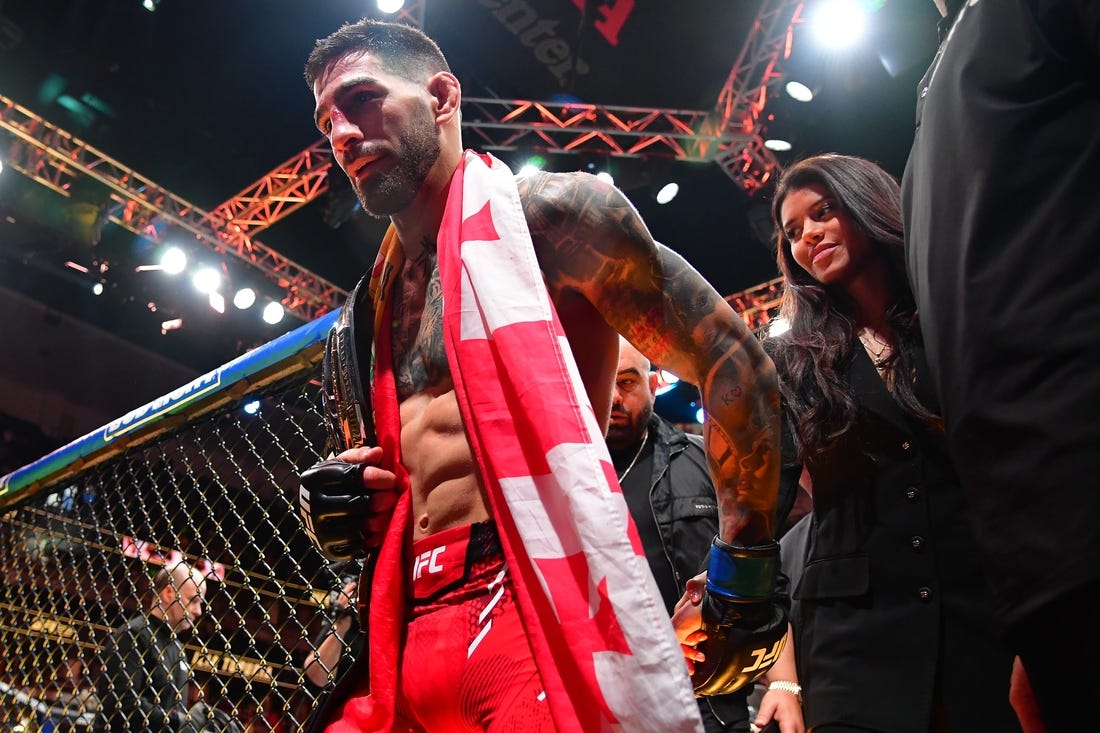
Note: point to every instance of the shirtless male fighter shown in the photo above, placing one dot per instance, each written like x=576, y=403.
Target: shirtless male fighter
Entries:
x=389, y=105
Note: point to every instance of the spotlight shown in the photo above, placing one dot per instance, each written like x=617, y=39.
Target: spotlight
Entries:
x=390, y=6
x=799, y=91
x=217, y=301
x=252, y=407
x=206, y=280
x=150, y=5
x=778, y=326
x=666, y=381
x=700, y=415
x=668, y=192
x=606, y=178
x=98, y=288
x=840, y=23
x=173, y=261
x=170, y=325
x=777, y=145
x=533, y=164
x=244, y=298
x=273, y=313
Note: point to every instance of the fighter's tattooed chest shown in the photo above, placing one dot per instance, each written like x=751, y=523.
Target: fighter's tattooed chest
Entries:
x=420, y=360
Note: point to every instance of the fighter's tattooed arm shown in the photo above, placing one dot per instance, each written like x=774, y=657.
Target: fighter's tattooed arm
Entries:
x=590, y=239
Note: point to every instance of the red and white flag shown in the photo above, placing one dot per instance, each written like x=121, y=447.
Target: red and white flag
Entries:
x=605, y=647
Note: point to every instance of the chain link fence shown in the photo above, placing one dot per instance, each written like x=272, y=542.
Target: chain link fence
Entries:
x=215, y=488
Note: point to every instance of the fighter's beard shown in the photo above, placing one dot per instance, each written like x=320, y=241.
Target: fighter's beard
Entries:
x=392, y=191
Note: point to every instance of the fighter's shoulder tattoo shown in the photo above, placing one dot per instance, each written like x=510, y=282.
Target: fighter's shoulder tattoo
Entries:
x=582, y=226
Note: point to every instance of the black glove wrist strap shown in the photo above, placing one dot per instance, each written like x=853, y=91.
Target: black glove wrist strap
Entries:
x=743, y=573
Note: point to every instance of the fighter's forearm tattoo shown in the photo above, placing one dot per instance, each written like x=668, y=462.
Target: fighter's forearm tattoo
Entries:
x=591, y=239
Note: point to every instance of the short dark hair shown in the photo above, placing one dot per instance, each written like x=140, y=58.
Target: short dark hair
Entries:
x=402, y=49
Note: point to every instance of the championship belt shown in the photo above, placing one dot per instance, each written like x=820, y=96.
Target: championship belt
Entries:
x=331, y=498
x=347, y=403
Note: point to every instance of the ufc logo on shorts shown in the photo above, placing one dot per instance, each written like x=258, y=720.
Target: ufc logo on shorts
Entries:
x=764, y=657
x=428, y=560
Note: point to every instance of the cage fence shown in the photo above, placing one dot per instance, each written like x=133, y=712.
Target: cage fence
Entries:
x=207, y=477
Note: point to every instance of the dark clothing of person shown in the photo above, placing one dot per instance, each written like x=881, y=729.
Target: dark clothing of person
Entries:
x=1001, y=198
x=1002, y=211
x=678, y=502
x=640, y=460
x=145, y=681
x=893, y=621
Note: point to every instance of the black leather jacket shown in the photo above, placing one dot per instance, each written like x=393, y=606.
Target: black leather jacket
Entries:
x=682, y=499
x=145, y=680
x=681, y=496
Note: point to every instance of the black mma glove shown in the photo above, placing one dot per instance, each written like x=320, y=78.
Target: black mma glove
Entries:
x=334, y=506
x=745, y=625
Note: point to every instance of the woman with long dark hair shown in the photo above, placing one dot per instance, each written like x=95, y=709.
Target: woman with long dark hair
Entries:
x=893, y=622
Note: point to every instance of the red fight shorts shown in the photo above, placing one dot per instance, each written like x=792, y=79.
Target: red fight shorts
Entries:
x=467, y=664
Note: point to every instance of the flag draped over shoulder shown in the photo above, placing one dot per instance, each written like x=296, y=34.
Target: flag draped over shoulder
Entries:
x=602, y=640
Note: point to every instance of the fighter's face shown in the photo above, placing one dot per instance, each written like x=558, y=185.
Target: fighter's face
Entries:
x=381, y=128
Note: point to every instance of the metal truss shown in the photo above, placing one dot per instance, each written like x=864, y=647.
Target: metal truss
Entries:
x=279, y=193
x=730, y=135
x=758, y=305
x=55, y=158
x=510, y=124
x=739, y=115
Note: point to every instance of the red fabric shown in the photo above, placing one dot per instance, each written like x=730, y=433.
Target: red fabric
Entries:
x=590, y=610
x=439, y=561
x=468, y=666
x=605, y=648
x=362, y=710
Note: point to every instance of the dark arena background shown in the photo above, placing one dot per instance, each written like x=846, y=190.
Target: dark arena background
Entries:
x=159, y=389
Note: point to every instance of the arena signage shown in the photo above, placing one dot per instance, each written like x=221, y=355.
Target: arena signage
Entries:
x=253, y=670
x=162, y=405
x=286, y=349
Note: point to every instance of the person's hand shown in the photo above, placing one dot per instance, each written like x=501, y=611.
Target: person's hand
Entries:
x=345, y=597
x=346, y=502
x=687, y=621
x=382, y=485
x=744, y=621
x=783, y=707
x=343, y=610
